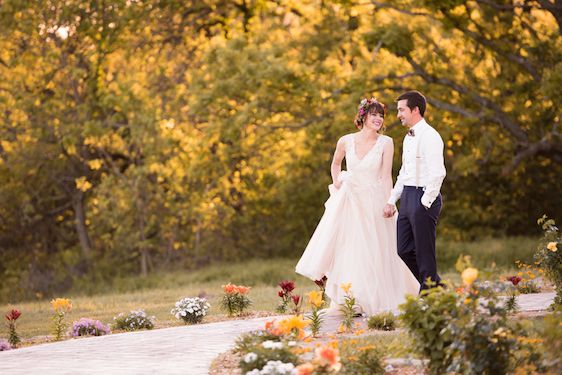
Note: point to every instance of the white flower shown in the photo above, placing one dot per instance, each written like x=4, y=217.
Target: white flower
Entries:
x=291, y=343
x=272, y=345
x=254, y=372
x=183, y=313
x=250, y=357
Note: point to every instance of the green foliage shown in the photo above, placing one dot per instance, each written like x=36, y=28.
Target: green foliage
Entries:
x=472, y=334
x=142, y=137
x=552, y=344
x=347, y=309
x=426, y=318
x=364, y=360
x=235, y=303
x=385, y=321
x=549, y=256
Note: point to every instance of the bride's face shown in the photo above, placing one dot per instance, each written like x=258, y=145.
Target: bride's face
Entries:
x=374, y=121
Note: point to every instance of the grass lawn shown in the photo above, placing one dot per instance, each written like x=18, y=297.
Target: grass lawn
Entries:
x=157, y=293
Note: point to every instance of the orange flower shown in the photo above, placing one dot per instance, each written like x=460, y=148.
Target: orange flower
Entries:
x=328, y=356
x=234, y=289
x=243, y=289
x=273, y=328
x=305, y=369
x=229, y=288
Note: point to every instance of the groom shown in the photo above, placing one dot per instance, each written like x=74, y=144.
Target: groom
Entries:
x=418, y=185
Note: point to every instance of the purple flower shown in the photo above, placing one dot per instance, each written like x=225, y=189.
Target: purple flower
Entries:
x=5, y=345
x=91, y=327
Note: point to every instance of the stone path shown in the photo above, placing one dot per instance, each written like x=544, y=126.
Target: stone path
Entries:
x=179, y=350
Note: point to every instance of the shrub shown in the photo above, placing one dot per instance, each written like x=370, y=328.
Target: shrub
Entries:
x=552, y=336
x=135, y=320
x=191, y=310
x=260, y=347
x=235, y=299
x=426, y=318
x=89, y=327
x=549, y=256
x=464, y=332
x=247, y=341
x=363, y=360
x=385, y=321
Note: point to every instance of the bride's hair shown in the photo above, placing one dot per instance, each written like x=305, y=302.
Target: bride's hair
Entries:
x=366, y=107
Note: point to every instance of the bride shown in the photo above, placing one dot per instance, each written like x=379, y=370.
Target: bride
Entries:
x=353, y=242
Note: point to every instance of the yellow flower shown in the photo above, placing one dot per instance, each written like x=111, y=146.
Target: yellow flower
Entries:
x=346, y=287
x=61, y=304
x=469, y=275
x=552, y=246
x=315, y=298
x=467, y=301
x=341, y=329
x=294, y=323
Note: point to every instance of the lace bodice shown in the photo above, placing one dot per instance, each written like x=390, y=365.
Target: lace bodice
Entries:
x=365, y=171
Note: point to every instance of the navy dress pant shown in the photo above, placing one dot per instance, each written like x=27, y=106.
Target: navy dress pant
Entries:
x=416, y=234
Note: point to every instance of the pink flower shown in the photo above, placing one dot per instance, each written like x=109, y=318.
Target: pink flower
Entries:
x=296, y=299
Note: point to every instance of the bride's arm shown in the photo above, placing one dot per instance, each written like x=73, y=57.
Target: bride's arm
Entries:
x=386, y=170
x=335, y=168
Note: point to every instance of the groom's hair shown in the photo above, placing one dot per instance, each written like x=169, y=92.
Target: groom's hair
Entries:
x=415, y=99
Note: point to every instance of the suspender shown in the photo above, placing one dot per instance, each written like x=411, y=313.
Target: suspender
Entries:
x=418, y=159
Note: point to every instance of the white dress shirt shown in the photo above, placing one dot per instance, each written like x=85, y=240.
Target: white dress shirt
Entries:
x=431, y=166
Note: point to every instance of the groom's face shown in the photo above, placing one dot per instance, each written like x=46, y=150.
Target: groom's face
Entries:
x=404, y=112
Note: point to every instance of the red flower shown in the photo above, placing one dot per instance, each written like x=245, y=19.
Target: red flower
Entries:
x=287, y=286
x=296, y=299
x=514, y=280
x=281, y=294
x=13, y=315
x=322, y=282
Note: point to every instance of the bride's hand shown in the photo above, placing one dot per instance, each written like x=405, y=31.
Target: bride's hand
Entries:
x=389, y=210
x=337, y=184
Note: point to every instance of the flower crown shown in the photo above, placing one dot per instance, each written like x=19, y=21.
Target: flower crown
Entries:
x=364, y=105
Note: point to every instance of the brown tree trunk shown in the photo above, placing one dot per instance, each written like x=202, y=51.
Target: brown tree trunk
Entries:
x=80, y=223
x=142, y=235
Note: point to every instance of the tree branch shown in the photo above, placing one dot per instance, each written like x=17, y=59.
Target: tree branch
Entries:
x=543, y=146
x=499, y=115
x=403, y=11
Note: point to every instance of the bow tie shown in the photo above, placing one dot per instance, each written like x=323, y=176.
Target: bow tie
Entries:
x=411, y=133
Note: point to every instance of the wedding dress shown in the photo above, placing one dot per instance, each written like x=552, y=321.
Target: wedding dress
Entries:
x=354, y=243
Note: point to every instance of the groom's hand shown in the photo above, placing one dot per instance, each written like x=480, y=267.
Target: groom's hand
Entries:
x=389, y=210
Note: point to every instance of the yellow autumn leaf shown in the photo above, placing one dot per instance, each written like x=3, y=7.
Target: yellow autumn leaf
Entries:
x=83, y=184
x=95, y=164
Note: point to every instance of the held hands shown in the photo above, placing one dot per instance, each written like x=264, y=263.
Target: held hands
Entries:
x=389, y=210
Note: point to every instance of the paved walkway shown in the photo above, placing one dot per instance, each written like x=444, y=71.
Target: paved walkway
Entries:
x=185, y=350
